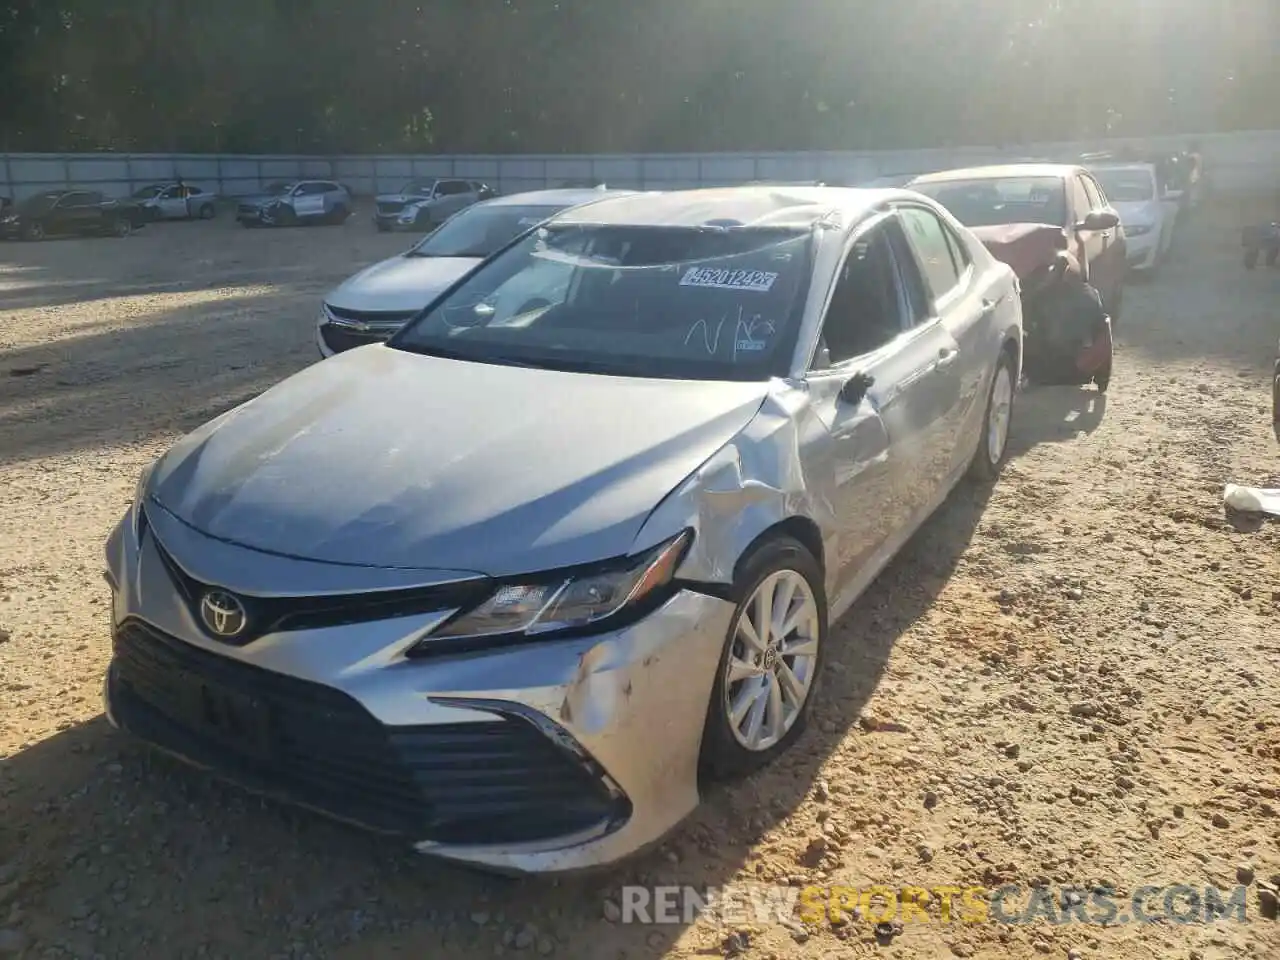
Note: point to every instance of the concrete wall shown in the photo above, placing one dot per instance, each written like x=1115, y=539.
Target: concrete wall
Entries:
x=1237, y=162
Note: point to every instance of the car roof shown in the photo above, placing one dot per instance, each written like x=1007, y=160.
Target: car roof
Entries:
x=1002, y=171
x=563, y=197
x=734, y=206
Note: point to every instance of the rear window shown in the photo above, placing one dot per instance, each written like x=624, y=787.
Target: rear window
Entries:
x=1127, y=186
x=481, y=230
x=1000, y=200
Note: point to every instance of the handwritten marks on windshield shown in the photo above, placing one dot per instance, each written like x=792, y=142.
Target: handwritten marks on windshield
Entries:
x=750, y=334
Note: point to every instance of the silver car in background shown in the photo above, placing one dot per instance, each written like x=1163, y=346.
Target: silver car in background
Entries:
x=508, y=583
x=176, y=201
x=421, y=204
x=380, y=299
x=293, y=203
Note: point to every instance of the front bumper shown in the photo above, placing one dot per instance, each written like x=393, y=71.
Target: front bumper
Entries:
x=1143, y=252
x=543, y=757
x=392, y=221
x=10, y=231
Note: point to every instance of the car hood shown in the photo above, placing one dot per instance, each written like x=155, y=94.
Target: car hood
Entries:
x=400, y=284
x=1023, y=246
x=379, y=457
x=259, y=200
x=1144, y=212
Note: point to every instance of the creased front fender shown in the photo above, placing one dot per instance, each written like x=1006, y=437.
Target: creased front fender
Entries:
x=752, y=483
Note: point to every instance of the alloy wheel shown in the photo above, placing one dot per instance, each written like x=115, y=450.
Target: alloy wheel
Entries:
x=773, y=660
x=1000, y=413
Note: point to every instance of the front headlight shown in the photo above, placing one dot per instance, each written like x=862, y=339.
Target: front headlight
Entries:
x=1137, y=229
x=575, y=600
x=139, y=497
x=11, y=218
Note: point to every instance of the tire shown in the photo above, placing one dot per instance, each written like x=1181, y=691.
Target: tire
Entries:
x=423, y=220
x=382, y=227
x=338, y=215
x=778, y=564
x=1103, y=380
x=207, y=212
x=1115, y=304
x=993, y=443
x=33, y=232
x=284, y=216
x=121, y=227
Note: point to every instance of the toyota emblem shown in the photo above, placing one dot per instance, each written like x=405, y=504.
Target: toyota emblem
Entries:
x=223, y=614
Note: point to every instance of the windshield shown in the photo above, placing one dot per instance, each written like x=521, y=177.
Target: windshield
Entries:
x=1127, y=186
x=146, y=193
x=38, y=204
x=277, y=187
x=418, y=188
x=481, y=230
x=676, y=302
x=994, y=201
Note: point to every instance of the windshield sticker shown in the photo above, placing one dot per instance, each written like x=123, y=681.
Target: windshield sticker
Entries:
x=759, y=281
x=747, y=336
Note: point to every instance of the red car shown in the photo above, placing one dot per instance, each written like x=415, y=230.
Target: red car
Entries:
x=1065, y=196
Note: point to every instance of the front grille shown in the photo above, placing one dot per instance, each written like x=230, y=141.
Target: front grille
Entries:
x=276, y=614
x=390, y=209
x=493, y=781
x=372, y=316
x=339, y=339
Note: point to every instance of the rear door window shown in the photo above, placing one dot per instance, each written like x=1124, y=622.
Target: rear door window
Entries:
x=932, y=249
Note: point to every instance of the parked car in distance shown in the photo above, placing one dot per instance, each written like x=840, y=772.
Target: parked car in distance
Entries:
x=290, y=203
x=1061, y=195
x=176, y=201
x=380, y=299
x=580, y=183
x=576, y=546
x=1146, y=211
x=421, y=204
x=70, y=212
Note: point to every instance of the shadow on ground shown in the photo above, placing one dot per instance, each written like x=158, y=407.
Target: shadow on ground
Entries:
x=1055, y=415
x=124, y=842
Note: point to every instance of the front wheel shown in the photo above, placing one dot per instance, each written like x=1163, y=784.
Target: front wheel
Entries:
x=768, y=670
x=993, y=445
x=339, y=215
x=33, y=231
x=121, y=227
x=207, y=212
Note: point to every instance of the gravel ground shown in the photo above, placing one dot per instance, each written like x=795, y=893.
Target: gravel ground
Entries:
x=1072, y=679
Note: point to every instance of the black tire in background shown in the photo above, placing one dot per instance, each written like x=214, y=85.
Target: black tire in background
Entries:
x=422, y=221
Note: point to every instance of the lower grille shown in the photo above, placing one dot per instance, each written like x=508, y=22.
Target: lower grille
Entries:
x=498, y=781
x=390, y=209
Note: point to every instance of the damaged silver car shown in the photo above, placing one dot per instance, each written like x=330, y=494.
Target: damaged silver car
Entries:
x=513, y=583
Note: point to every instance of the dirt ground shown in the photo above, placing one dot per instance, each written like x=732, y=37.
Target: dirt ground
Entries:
x=1073, y=680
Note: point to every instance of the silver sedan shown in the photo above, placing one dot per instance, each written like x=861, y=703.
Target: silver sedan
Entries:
x=509, y=583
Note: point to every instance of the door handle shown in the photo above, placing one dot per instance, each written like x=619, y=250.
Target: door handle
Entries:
x=947, y=356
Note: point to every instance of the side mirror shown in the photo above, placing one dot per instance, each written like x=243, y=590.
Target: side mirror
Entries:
x=1099, y=220
x=855, y=388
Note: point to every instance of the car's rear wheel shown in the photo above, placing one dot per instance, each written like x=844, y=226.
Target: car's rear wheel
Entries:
x=994, y=443
x=769, y=667
x=339, y=215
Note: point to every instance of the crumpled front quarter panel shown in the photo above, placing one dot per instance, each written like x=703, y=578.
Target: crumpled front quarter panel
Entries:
x=778, y=467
